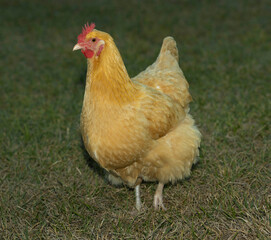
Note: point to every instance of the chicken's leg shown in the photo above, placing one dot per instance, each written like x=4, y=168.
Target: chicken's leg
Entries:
x=137, y=193
x=158, y=197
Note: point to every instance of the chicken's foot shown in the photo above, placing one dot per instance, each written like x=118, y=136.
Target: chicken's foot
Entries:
x=158, y=197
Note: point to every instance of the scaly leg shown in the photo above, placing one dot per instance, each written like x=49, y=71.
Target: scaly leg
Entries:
x=137, y=194
x=158, y=197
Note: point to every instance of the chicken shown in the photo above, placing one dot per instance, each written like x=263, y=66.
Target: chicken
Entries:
x=140, y=128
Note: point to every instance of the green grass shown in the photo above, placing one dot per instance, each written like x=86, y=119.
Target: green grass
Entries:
x=49, y=189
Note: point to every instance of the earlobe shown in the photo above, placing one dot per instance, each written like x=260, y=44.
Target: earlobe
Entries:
x=100, y=47
x=100, y=50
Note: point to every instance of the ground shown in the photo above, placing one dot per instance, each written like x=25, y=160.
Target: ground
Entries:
x=49, y=189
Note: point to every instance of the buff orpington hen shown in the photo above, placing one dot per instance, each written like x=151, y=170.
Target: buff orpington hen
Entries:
x=137, y=128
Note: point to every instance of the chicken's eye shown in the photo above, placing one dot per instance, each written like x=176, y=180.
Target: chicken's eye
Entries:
x=93, y=40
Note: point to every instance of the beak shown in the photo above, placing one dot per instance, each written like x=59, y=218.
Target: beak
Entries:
x=77, y=47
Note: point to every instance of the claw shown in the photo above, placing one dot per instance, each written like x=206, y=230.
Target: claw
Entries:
x=158, y=198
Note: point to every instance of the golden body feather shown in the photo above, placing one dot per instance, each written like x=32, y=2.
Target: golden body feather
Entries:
x=139, y=128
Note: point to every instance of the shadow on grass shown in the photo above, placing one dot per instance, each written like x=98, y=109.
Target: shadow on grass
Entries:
x=92, y=163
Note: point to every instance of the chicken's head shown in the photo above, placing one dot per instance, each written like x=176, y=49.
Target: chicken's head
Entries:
x=89, y=41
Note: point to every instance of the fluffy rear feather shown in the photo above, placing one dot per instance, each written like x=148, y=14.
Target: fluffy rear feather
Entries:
x=172, y=156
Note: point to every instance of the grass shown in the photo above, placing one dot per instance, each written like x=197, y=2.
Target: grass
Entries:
x=49, y=189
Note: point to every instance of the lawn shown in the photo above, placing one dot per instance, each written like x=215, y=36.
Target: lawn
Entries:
x=50, y=189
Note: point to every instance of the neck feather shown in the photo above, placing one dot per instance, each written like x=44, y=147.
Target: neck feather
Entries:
x=107, y=77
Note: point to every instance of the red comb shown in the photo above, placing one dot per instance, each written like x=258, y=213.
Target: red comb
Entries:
x=86, y=29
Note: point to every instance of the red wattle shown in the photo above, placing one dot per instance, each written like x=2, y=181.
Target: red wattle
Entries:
x=88, y=53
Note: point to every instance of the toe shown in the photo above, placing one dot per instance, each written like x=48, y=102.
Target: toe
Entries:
x=158, y=203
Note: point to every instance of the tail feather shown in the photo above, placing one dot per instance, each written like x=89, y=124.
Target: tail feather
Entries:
x=168, y=57
x=165, y=74
x=169, y=44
